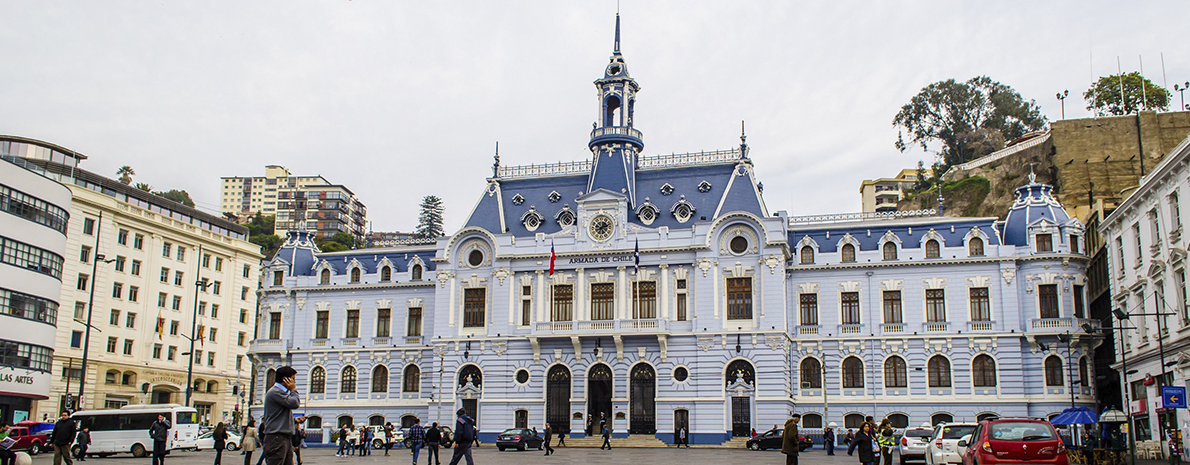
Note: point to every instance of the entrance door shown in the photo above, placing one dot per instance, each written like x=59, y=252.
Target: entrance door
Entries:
x=557, y=398
x=681, y=420
x=644, y=383
x=472, y=408
x=161, y=397
x=522, y=419
x=599, y=396
x=741, y=418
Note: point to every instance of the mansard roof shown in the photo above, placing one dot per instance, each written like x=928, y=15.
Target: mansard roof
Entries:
x=1034, y=202
x=301, y=255
x=868, y=233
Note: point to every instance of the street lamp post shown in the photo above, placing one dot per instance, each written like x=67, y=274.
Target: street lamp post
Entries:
x=90, y=307
x=199, y=285
x=1160, y=315
x=1062, y=96
x=1066, y=338
x=1181, y=90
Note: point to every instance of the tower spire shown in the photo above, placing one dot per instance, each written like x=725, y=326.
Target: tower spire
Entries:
x=617, y=47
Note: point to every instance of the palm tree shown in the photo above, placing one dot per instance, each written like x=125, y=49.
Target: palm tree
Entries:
x=144, y=187
x=125, y=172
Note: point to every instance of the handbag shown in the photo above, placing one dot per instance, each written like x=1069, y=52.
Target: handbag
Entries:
x=875, y=446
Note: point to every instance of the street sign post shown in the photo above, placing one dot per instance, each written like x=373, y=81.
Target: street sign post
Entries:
x=1173, y=396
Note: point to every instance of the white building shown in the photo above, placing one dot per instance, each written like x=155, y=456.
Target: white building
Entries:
x=299, y=202
x=1147, y=244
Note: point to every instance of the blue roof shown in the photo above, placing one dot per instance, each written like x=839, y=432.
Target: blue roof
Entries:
x=297, y=252
x=370, y=259
x=1033, y=203
x=869, y=233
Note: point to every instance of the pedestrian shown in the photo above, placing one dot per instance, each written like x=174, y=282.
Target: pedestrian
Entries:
x=417, y=437
x=866, y=444
x=277, y=423
x=433, y=437
x=828, y=439
x=83, y=440
x=365, y=441
x=7, y=457
x=849, y=437
x=791, y=443
x=248, y=441
x=299, y=435
x=602, y=422
x=549, y=434
x=220, y=437
x=62, y=437
x=352, y=439
x=159, y=432
x=607, y=436
x=590, y=421
x=562, y=432
x=464, y=436
x=680, y=437
x=388, y=437
x=887, y=441
x=343, y=444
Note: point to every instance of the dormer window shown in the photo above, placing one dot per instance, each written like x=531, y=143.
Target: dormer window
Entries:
x=647, y=213
x=1045, y=242
x=847, y=255
x=517, y=199
x=932, y=249
x=807, y=254
x=554, y=197
x=975, y=247
x=667, y=189
x=355, y=275
x=278, y=277
x=415, y=275
x=531, y=219
x=683, y=210
x=565, y=217
x=325, y=277
x=704, y=187
x=386, y=274
x=890, y=251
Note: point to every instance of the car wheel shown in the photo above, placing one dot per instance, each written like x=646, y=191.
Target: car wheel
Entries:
x=138, y=451
x=521, y=447
x=231, y=446
x=501, y=448
x=902, y=460
x=754, y=446
x=34, y=449
x=74, y=451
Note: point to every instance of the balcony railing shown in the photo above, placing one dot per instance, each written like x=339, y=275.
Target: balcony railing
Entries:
x=1061, y=324
x=979, y=326
x=616, y=131
x=888, y=328
x=647, y=325
x=808, y=330
x=269, y=345
x=936, y=326
x=415, y=340
x=381, y=341
x=851, y=329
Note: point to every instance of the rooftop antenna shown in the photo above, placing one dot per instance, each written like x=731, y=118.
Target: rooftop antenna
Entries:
x=1143, y=97
x=743, y=142
x=496, y=165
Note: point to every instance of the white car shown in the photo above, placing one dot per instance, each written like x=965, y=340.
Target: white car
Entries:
x=944, y=445
x=206, y=441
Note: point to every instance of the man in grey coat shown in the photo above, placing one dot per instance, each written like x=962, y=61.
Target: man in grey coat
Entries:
x=277, y=424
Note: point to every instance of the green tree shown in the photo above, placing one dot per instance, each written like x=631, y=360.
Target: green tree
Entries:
x=429, y=221
x=332, y=246
x=967, y=118
x=125, y=172
x=338, y=242
x=261, y=224
x=179, y=196
x=144, y=187
x=1104, y=96
x=269, y=243
x=920, y=183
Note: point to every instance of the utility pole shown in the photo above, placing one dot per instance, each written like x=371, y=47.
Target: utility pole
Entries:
x=199, y=285
x=90, y=307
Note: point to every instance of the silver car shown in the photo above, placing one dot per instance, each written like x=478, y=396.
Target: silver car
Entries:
x=913, y=444
x=944, y=448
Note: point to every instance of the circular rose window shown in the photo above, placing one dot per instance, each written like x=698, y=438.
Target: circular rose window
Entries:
x=680, y=374
x=475, y=258
x=522, y=376
x=739, y=245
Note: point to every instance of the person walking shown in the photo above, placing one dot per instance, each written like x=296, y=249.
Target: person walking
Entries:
x=682, y=439
x=828, y=439
x=220, y=437
x=791, y=443
x=433, y=437
x=365, y=441
x=299, y=435
x=343, y=444
x=159, y=432
x=417, y=437
x=607, y=437
x=865, y=442
x=849, y=437
x=549, y=435
x=248, y=441
x=277, y=423
x=562, y=433
x=83, y=440
x=388, y=437
x=352, y=439
x=464, y=436
x=887, y=441
x=63, y=436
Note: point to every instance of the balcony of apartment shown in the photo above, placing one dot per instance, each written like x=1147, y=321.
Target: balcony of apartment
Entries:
x=935, y=326
x=980, y=326
x=1060, y=325
x=268, y=346
x=851, y=329
x=575, y=328
x=808, y=330
x=892, y=328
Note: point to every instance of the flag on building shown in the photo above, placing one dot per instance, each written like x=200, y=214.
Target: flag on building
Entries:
x=553, y=256
x=636, y=256
x=160, y=327
x=201, y=329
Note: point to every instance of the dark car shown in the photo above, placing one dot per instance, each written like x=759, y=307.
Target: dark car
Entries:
x=519, y=439
x=772, y=439
x=1014, y=441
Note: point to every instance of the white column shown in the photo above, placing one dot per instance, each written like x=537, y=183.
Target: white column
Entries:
x=580, y=292
x=715, y=290
x=452, y=302
x=625, y=292
x=512, y=293
x=539, y=309
x=664, y=303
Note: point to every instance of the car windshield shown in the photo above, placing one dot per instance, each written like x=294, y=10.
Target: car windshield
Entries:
x=919, y=433
x=774, y=432
x=511, y=431
x=956, y=432
x=1021, y=431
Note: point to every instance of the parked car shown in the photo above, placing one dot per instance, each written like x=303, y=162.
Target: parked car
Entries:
x=773, y=439
x=378, y=436
x=944, y=445
x=207, y=441
x=913, y=443
x=27, y=440
x=1014, y=441
x=519, y=439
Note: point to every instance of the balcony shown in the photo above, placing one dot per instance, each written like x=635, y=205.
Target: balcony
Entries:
x=1061, y=324
x=851, y=329
x=892, y=328
x=936, y=326
x=808, y=330
x=976, y=326
x=650, y=325
x=264, y=346
x=381, y=341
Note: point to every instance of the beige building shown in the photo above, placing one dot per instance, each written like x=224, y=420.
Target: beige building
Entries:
x=882, y=195
x=138, y=259
x=299, y=202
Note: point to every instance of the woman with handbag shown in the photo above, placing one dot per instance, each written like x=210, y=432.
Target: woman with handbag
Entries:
x=248, y=442
x=865, y=442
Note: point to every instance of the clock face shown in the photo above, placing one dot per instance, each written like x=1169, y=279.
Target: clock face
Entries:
x=613, y=69
x=602, y=227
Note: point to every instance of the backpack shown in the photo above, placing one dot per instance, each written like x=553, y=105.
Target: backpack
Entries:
x=464, y=433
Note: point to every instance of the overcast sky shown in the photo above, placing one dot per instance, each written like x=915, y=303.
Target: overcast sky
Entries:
x=398, y=100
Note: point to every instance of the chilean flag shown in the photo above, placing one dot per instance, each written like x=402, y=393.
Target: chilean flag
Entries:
x=636, y=256
x=553, y=256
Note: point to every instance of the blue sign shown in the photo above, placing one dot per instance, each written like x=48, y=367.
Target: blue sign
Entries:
x=1173, y=396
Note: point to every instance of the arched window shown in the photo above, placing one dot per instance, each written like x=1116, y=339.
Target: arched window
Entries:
x=975, y=247
x=347, y=421
x=940, y=418
x=896, y=372
x=416, y=273
x=469, y=374
x=932, y=249
x=386, y=274
x=355, y=275
x=811, y=373
x=1084, y=371
x=853, y=421
x=212, y=386
x=939, y=368
x=807, y=254
x=898, y=420
x=112, y=376
x=741, y=369
x=811, y=420
x=380, y=379
x=347, y=380
x=376, y=420
x=313, y=422
x=853, y=373
x=325, y=277
x=411, y=379
x=890, y=251
x=987, y=416
x=270, y=378
x=983, y=371
x=848, y=253
x=1053, y=371
x=318, y=380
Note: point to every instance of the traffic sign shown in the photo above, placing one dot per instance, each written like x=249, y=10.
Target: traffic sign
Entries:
x=1173, y=396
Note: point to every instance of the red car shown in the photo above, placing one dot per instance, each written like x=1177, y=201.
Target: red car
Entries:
x=1014, y=441
x=25, y=440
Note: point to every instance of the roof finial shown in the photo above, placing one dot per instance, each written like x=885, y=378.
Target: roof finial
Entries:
x=617, y=48
x=1032, y=177
x=496, y=165
x=743, y=141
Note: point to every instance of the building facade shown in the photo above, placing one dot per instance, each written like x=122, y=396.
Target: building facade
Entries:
x=659, y=292
x=1146, y=246
x=33, y=225
x=882, y=195
x=299, y=202
x=132, y=266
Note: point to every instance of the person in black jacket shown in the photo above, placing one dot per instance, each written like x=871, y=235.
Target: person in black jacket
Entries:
x=63, y=436
x=433, y=438
x=864, y=441
x=220, y=437
x=159, y=431
x=83, y=440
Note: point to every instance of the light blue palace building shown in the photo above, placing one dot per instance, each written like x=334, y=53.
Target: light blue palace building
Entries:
x=538, y=311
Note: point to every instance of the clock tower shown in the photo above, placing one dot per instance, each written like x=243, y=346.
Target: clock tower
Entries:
x=615, y=144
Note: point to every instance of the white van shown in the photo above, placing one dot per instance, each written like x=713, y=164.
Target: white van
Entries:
x=126, y=430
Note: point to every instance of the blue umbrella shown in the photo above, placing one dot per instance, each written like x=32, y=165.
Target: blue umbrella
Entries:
x=1076, y=416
